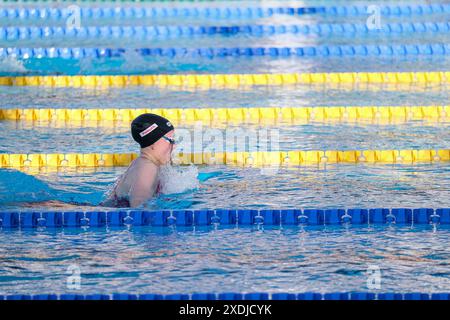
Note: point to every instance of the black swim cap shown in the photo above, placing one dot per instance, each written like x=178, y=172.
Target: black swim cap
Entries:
x=149, y=128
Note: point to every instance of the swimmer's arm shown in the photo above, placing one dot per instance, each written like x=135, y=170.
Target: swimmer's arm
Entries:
x=143, y=187
x=58, y=204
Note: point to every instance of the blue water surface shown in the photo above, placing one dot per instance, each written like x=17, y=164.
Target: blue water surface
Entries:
x=225, y=259
x=217, y=259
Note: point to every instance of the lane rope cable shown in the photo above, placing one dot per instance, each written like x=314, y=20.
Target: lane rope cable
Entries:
x=431, y=49
x=227, y=80
x=397, y=114
x=163, y=218
x=151, y=32
x=243, y=159
x=132, y=11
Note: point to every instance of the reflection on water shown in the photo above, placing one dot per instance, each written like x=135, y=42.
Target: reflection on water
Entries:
x=29, y=137
x=320, y=186
x=256, y=96
x=244, y=259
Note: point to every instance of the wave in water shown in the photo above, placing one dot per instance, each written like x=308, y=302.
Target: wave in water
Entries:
x=11, y=64
x=178, y=179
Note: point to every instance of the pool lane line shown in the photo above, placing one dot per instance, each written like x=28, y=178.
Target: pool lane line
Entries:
x=286, y=115
x=324, y=51
x=263, y=296
x=241, y=159
x=138, y=12
x=234, y=296
x=349, y=30
x=227, y=80
x=127, y=217
x=319, y=87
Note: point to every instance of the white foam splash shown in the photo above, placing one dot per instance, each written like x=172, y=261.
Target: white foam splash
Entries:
x=86, y=65
x=133, y=61
x=11, y=64
x=178, y=179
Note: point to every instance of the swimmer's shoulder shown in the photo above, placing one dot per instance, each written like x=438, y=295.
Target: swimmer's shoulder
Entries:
x=143, y=164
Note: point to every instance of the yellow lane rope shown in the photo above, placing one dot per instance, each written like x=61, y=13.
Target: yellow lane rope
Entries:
x=396, y=114
x=230, y=158
x=226, y=80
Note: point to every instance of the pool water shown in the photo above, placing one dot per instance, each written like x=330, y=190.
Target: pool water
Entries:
x=226, y=259
x=258, y=96
x=222, y=258
x=299, y=137
x=225, y=187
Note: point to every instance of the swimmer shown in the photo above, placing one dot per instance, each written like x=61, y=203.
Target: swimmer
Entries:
x=140, y=182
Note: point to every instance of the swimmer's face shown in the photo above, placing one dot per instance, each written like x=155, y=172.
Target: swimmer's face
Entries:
x=162, y=149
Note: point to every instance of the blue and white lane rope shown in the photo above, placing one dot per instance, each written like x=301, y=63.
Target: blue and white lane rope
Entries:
x=58, y=219
x=435, y=49
x=238, y=296
x=136, y=12
x=153, y=32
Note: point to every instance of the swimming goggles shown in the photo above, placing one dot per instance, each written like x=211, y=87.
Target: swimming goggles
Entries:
x=170, y=140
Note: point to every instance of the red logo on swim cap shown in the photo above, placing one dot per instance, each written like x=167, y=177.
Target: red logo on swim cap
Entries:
x=148, y=130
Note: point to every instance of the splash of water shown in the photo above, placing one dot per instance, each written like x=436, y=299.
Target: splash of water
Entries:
x=86, y=65
x=178, y=179
x=12, y=64
x=132, y=61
